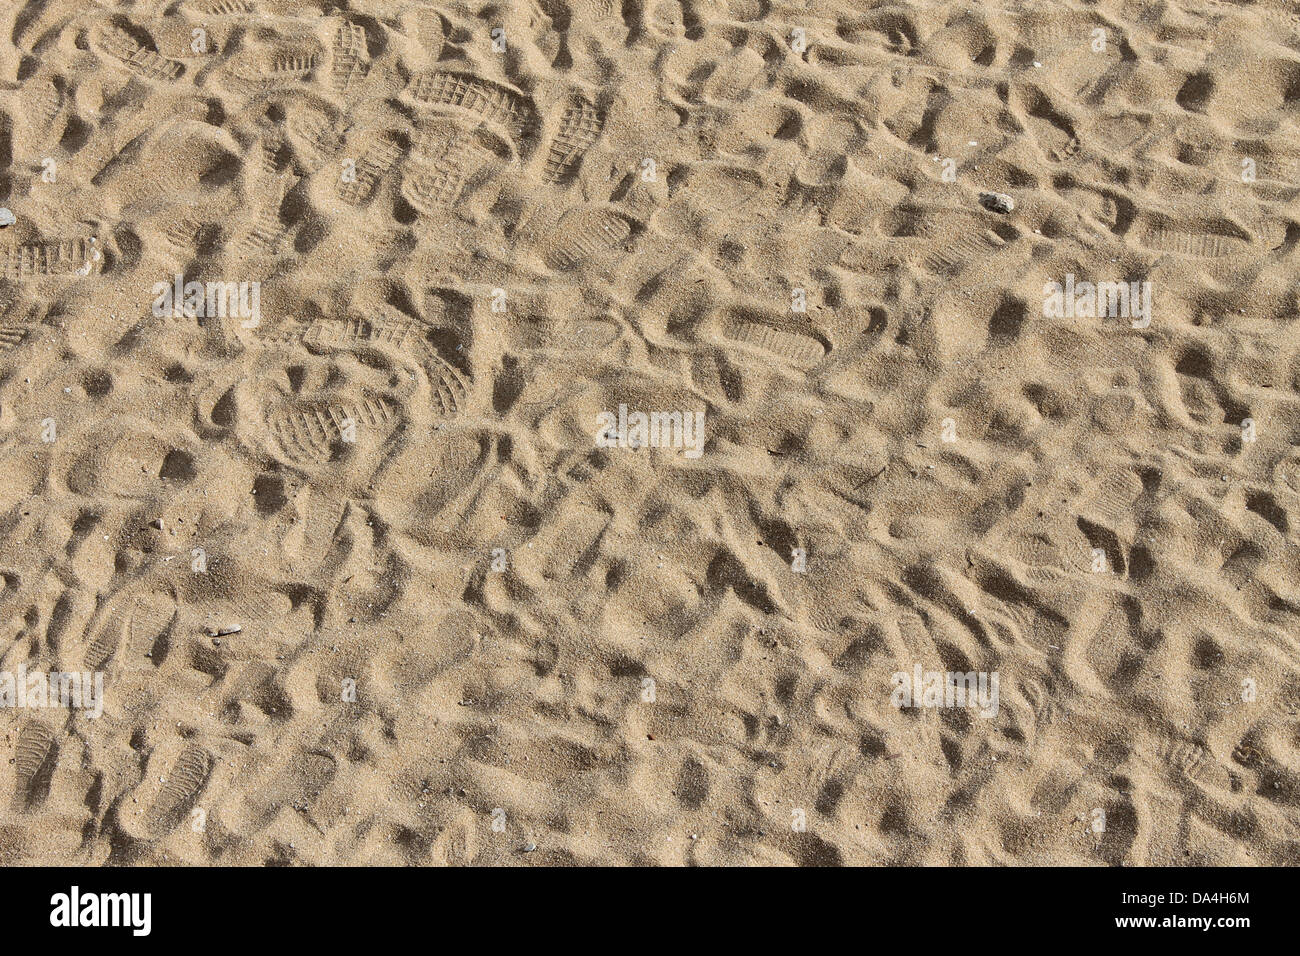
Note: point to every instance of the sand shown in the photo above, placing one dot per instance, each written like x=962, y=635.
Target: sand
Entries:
x=378, y=565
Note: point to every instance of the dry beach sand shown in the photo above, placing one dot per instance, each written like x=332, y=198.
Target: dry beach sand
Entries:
x=364, y=587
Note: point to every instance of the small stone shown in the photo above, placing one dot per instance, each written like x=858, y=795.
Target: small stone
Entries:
x=7, y=218
x=997, y=202
x=529, y=847
x=224, y=629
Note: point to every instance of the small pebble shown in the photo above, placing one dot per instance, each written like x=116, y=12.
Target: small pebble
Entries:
x=6, y=218
x=997, y=202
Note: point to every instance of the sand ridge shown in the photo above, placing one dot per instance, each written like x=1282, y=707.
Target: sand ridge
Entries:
x=365, y=588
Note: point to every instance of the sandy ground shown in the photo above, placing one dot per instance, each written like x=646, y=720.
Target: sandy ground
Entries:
x=372, y=570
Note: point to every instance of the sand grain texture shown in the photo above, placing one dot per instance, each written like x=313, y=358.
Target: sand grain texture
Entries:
x=280, y=541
